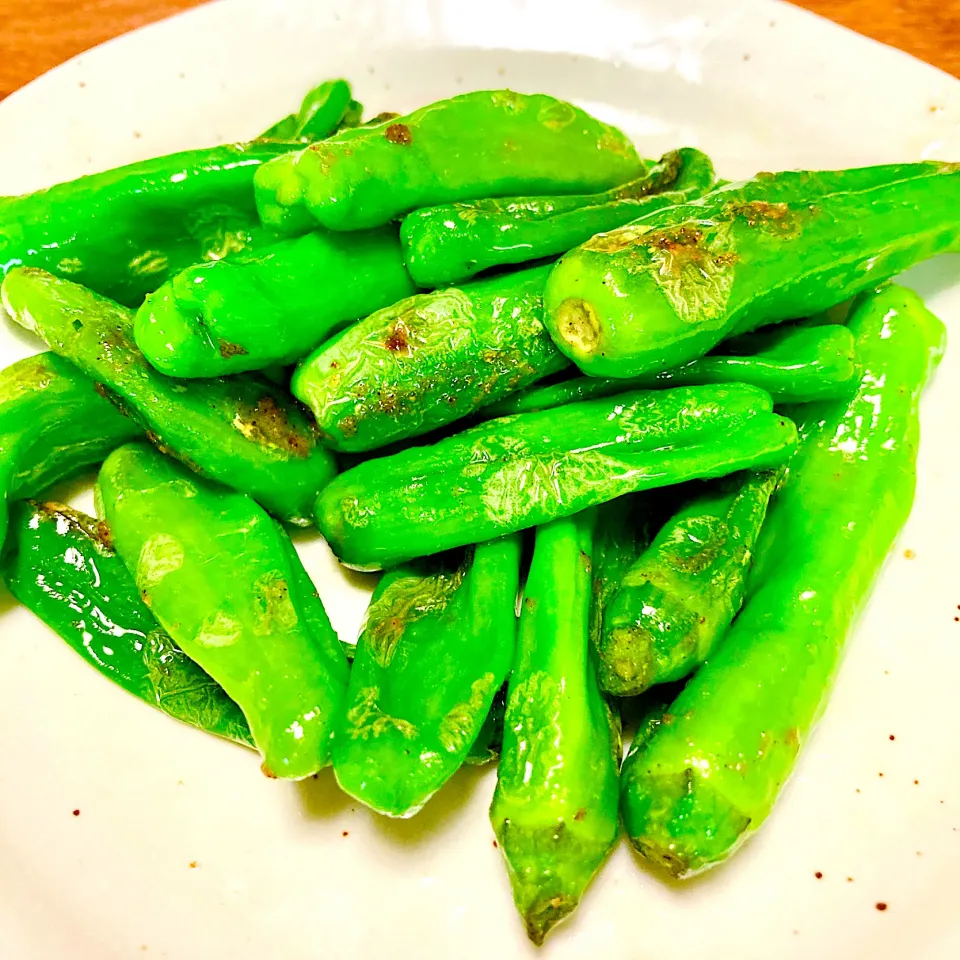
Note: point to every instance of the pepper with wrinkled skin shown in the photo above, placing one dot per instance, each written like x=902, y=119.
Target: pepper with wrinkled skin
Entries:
x=664, y=290
x=325, y=109
x=554, y=811
x=275, y=307
x=428, y=361
x=60, y=565
x=675, y=604
x=449, y=244
x=53, y=423
x=241, y=431
x=125, y=231
x=263, y=635
x=710, y=774
x=794, y=365
x=437, y=644
x=481, y=144
x=518, y=472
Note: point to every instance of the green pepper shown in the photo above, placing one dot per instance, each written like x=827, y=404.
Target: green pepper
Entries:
x=53, y=422
x=490, y=738
x=517, y=472
x=61, y=565
x=675, y=604
x=554, y=811
x=259, y=629
x=793, y=364
x=324, y=110
x=665, y=289
x=711, y=772
x=233, y=315
x=123, y=232
x=450, y=243
x=436, y=647
x=481, y=144
x=241, y=431
x=429, y=360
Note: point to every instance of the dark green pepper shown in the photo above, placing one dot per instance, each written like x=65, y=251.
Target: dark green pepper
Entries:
x=481, y=144
x=490, y=738
x=663, y=290
x=324, y=110
x=711, y=772
x=61, y=565
x=449, y=244
x=517, y=472
x=241, y=431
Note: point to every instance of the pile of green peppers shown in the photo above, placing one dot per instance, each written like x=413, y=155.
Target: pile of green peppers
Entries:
x=594, y=416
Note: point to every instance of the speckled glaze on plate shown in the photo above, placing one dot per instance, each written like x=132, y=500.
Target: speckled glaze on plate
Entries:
x=125, y=835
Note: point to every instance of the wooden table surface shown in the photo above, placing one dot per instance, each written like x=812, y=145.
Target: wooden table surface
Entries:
x=38, y=34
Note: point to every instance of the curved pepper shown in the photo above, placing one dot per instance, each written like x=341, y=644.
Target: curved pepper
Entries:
x=665, y=289
x=244, y=432
x=517, y=472
x=53, y=422
x=61, y=565
x=428, y=361
x=325, y=109
x=436, y=647
x=481, y=144
x=260, y=632
x=233, y=315
x=711, y=772
x=451, y=243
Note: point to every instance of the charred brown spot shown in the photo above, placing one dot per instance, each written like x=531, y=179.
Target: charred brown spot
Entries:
x=348, y=426
x=399, y=133
x=580, y=814
x=103, y=534
x=228, y=350
x=268, y=423
x=397, y=341
x=145, y=597
x=267, y=772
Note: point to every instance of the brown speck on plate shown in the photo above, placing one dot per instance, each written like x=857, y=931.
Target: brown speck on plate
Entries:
x=909, y=554
x=892, y=737
x=76, y=813
x=193, y=864
x=881, y=906
x=746, y=57
x=849, y=879
x=819, y=875
x=495, y=844
x=916, y=782
x=346, y=833
x=879, y=774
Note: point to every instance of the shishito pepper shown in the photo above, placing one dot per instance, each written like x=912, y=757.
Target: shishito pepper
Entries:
x=450, y=243
x=481, y=144
x=61, y=565
x=429, y=360
x=711, y=772
x=555, y=807
x=517, y=472
x=241, y=431
x=324, y=110
x=123, y=232
x=53, y=422
x=261, y=631
x=436, y=647
x=665, y=289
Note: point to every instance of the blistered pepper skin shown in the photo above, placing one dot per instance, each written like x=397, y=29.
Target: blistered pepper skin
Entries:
x=711, y=772
x=244, y=432
x=664, y=290
x=481, y=144
x=229, y=316
x=518, y=472
x=123, y=232
x=428, y=361
x=61, y=566
x=451, y=243
x=53, y=422
x=437, y=645
x=675, y=603
x=554, y=811
x=263, y=635
x=794, y=365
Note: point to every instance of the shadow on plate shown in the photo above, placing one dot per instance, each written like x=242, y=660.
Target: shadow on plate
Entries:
x=320, y=797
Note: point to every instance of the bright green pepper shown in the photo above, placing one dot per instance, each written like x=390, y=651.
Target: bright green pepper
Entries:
x=451, y=243
x=518, y=472
x=665, y=289
x=61, y=565
x=793, y=364
x=555, y=807
x=481, y=144
x=53, y=422
x=429, y=360
x=123, y=232
x=711, y=773
x=675, y=604
x=435, y=649
x=233, y=315
x=241, y=431
x=324, y=110
x=259, y=630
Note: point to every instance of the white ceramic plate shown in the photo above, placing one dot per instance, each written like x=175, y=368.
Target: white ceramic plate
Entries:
x=182, y=849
